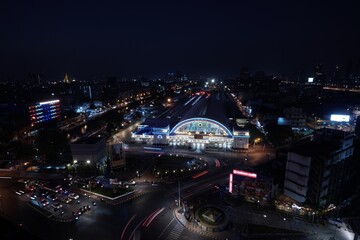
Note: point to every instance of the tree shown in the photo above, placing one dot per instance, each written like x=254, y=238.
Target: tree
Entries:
x=22, y=151
x=51, y=142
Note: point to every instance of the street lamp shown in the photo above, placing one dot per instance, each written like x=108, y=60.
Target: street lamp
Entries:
x=2, y=207
x=180, y=210
x=75, y=165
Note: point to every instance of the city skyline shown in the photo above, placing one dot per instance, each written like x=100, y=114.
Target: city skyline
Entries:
x=91, y=39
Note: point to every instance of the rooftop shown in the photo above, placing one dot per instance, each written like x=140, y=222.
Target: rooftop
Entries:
x=216, y=106
x=89, y=140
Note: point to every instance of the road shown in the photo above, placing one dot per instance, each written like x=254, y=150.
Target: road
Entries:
x=149, y=212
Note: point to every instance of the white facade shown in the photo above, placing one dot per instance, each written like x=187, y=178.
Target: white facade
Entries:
x=197, y=133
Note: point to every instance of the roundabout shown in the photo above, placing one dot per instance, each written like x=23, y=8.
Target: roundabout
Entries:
x=211, y=218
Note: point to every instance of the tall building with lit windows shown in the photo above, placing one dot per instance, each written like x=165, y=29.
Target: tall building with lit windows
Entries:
x=42, y=112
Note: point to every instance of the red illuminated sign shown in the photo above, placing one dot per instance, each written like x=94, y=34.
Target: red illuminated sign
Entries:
x=230, y=183
x=245, y=174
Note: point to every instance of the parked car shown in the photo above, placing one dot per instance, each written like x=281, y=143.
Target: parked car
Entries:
x=56, y=205
x=67, y=200
x=51, y=197
x=44, y=202
x=73, y=196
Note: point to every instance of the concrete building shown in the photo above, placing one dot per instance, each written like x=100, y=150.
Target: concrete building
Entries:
x=91, y=150
x=295, y=116
x=203, y=120
x=318, y=170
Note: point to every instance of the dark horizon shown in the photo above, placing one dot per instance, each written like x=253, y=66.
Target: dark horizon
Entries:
x=88, y=39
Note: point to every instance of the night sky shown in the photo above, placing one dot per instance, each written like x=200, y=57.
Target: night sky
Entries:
x=130, y=38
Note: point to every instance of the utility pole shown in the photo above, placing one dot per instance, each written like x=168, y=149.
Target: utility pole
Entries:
x=2, y=207
x=179, y=193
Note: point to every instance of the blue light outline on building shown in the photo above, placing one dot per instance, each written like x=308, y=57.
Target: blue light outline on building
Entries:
x=201, y=119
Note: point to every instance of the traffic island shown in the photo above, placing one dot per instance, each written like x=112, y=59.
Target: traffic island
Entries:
x=211, y=218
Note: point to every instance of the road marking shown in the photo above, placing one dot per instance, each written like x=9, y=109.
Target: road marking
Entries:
x=175, y=232
x=122, y=235
x=162, y=233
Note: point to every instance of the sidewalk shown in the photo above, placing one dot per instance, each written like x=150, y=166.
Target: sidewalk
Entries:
x=193, y=227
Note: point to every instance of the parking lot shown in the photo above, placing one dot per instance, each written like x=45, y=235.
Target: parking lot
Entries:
x=58, y=201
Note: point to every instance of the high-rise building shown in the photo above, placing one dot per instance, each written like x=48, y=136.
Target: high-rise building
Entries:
x=317, y=171
x=357, y=127
x=90, y=151
x=44, y=112
x=34, y=79
x=319, y=74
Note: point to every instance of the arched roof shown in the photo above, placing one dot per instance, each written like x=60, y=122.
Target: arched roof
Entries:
x=209, y=107
x=186, y=121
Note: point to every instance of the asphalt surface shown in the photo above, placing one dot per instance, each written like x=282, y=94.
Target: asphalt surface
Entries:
x=148, y=213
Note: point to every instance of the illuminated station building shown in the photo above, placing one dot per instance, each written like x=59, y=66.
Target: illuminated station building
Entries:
x=203, y=120
x=42, y=112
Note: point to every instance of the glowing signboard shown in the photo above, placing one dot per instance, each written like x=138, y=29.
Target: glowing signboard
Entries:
x=49, y=102
x=240, y=173
x=245, y=174
x=310, y=79
x=339, y=118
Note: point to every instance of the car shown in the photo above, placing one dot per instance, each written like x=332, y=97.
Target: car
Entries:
x=67, y=200
x=30, y=187
x=18, y=192
x=51, y=197
x=56, y=205
x=58, y=189
x=42, y=192
x=33, y=196
x=73, y=196
x=44, y=202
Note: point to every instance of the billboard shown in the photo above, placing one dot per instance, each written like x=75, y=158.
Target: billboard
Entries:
x=116, y=155
x=239, y=173
x=230, y=183
x=244, y=174
x=339, y=118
